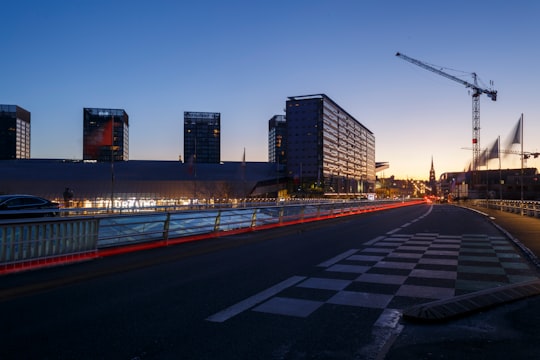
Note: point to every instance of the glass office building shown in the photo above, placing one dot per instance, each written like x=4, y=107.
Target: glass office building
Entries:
x=277, y=139
x=328, y=150
x=14, y=132
x=202, y=137
x=105, y=134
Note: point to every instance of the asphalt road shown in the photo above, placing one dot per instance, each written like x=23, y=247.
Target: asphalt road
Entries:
x=287, y=293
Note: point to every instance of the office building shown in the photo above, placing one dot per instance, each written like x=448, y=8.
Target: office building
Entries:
x=328, y=150
x=277, y=139
x=14, y=132
x=105, y=134
x=202, y=137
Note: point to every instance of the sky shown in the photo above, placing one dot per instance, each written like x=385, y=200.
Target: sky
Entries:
x=157, y=59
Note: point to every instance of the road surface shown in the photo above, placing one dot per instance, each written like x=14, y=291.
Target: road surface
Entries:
x=327, y=290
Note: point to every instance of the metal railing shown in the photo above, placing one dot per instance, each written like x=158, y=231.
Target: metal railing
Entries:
x=525, y=208
x=130, y=207
x=25, y=242
x=41, y=241
x=124, y=230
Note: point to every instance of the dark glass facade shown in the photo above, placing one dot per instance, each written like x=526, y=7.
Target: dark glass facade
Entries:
x=277, y=139
x=328, y=150
x=202, y=137
x=14, y=132
x=105, y=134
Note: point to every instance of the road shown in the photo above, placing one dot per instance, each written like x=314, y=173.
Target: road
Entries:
x=327, y=290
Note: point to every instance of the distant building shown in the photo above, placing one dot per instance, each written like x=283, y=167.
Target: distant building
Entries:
x=14, y=132
x=328, y=150
x=202, y=137
x=277, y=140
x=160, y=182
x=507, y=184
x=105, y=134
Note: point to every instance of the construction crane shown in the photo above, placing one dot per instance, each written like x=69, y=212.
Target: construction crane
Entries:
x=477, y=91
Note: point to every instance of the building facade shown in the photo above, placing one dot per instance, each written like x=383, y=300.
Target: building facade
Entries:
x=507, y=184
x=202, y=137
x=277, y=140
x=105, y=134
x=158, y=182
x=14, y=132
x=328, y=150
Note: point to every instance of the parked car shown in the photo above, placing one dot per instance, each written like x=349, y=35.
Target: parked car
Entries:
x=21, y=206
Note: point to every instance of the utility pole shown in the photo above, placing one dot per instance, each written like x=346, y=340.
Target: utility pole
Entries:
x=112, y=163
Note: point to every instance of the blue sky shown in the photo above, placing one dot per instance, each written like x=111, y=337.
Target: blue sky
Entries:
x=157, y=59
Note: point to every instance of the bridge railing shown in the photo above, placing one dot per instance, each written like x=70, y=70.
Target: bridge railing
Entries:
x=526, y=208
x=25, y=243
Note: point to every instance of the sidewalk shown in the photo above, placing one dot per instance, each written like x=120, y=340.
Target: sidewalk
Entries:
x=509, y=328
x=524, y=230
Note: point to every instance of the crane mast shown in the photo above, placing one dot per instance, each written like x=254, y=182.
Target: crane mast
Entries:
x=476, y=92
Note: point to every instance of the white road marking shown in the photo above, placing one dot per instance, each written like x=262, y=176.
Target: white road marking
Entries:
x=384, y=332
x=261, y=297
x=393, y=231
x=373, y=241
x=250, y=302
x=338, y=258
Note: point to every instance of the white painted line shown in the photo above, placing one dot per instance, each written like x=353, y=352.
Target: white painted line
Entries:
x=383, y=334
x=388, y=319
x=250, y=302
x=340, y=257
x=373, y=241
x=391, y=232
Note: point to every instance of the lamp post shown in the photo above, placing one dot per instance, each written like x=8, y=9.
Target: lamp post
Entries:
x=112, y=163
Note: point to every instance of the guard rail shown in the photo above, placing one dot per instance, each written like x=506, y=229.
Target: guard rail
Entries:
x=526, y=208
x=37, y=242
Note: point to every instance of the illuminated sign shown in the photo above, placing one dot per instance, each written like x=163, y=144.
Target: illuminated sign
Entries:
x=201, y=115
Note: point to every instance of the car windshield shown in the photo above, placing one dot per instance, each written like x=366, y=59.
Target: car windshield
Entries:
x=4, y=198
x=11, y=200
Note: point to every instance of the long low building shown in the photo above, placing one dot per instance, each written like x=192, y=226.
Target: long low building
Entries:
x=508, y=184
x=98, y=182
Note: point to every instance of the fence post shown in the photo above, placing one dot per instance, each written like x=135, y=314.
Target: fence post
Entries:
x=166, y=228
x=218, y=221
x=254, y=218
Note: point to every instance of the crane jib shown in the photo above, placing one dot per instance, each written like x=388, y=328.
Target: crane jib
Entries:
x=492, y=94
x=477, y=91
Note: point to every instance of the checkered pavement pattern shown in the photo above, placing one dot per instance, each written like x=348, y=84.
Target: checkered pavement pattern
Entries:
x=393, y=272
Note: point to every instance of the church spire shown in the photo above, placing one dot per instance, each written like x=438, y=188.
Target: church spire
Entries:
x=432, y=178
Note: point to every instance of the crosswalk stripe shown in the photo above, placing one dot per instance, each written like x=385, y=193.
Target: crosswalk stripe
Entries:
x=250, y=302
